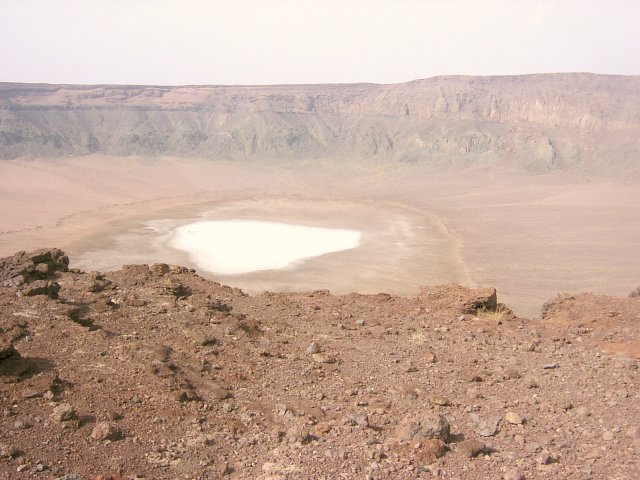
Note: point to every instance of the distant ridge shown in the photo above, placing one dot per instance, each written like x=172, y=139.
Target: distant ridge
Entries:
x=537, y=122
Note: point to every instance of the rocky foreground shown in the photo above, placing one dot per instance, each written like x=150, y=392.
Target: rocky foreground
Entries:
x=154, y=372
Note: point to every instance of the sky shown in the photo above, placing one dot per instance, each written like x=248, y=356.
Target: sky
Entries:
x=178, y=42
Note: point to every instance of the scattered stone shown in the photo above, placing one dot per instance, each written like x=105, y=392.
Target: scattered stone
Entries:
x=41, y=287
x=441, y=401
x=566, y=406
x=63, y=412
x=473, y=447
x=473, y=392
x=549, y=366
x=533, y=346
x=513, y=475
x=7, y=451
x=428, y=451
x=409, y=392
x=113, y=415
x=22, y=424
x=135, y=359
x=533, y=447
x=106, y=431
x=186, y=395
x=469, y=375
x=514, y=418
x=322, y=428
x=512, y=374
x=625, y=360
x=608, y=436
x=134, y=301
x=160, y=269
x=359, y=419
x=423, y=426
x=281, y=409
x=179, y=290
x=546, y=458
x=298, y=434
x=99, y=284
x=486, y=427
x=633, y=432
x=622, y=393
x=323, y=358
x=582, y=411
x=213, y=391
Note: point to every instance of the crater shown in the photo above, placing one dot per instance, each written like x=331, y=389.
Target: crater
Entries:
x=287, y=244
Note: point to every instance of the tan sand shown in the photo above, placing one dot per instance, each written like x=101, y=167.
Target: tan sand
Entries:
x=401, y=249
x=529, y=236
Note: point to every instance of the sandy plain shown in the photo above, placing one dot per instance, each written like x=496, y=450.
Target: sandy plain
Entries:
x=530, y=236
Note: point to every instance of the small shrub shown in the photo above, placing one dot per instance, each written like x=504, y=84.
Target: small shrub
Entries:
x=496, y=315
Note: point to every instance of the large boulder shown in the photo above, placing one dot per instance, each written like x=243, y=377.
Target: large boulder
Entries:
x=481, y=299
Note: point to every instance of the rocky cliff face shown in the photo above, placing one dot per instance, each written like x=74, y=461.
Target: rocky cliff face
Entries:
x=538, y=122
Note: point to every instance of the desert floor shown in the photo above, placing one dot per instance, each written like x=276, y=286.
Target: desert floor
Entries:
x=530, y=236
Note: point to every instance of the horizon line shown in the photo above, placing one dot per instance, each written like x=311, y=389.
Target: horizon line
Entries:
x=262, y=85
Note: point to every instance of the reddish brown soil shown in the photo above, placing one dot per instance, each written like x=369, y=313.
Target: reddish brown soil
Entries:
x=157, y=373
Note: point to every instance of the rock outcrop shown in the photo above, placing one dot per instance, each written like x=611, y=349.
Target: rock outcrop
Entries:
x=29, y=273
x=26, y=267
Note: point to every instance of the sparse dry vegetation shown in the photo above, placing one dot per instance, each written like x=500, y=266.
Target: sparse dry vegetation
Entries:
x=497, y=315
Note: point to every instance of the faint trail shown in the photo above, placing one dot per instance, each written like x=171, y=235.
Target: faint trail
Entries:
x=464, y=273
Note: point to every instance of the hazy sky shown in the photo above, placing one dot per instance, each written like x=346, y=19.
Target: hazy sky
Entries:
x=304, y=41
